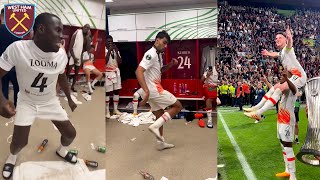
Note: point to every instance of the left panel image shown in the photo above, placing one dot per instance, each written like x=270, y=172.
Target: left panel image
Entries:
x=52, y=123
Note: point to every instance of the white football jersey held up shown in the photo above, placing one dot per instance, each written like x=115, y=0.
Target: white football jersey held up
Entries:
x=37, y=71
x=213, y=78
x=112, y=64
x=152, y=62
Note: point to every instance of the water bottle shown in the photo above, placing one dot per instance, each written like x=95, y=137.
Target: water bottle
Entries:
x=180, y=88
x=175, y=88
x=186, y=88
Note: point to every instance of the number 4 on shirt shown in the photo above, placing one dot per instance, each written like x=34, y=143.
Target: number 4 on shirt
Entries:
x=43, y=82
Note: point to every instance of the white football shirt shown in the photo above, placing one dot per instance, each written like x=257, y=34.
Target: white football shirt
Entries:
x=37, y=71
x=112, y=63
x=286, y=106
x=87, y=56
x=152, y=62
x=289, y=61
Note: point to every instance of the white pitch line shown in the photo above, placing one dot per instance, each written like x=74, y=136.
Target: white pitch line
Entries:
x=245, y=165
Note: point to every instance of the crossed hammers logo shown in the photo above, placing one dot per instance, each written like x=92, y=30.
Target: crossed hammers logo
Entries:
x=13, y=15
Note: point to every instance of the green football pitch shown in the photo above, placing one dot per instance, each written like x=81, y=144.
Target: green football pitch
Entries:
x=252, y=151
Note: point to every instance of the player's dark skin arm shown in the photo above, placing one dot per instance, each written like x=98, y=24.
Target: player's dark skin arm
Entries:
x=291, y=86
x=7, y=107
x=64, y=85
x=119, y=59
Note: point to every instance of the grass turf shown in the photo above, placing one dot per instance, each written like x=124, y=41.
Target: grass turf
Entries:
x=260, y=146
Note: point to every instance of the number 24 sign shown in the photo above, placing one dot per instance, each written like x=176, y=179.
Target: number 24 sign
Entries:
x=184, y=61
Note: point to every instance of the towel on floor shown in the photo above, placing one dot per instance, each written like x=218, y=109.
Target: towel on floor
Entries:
x=53, y=170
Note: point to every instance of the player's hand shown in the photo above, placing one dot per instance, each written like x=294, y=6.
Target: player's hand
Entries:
x=265, y=52
x=72, y=105
x=288, y=33
x=144, y=99
x=209, y=73
x=7, y=109
x=174, y=61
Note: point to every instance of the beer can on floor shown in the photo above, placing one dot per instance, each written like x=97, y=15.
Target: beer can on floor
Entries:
x=101, y=149
x=73, y=151
x=91, y=163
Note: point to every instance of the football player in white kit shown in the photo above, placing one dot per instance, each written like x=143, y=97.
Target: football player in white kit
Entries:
x=76, y=48
x=40, y=63
x=284, y=42
x=149, y=77
x=210, y=79
x=286, y=125
x=113, y=78
x=88, y=67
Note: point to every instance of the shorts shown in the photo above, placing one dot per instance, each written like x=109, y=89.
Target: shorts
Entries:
x=210, y=91
x=27, y=112
x=88, y=65
x=112, y=81
x=285, y=132
x=161, y=102
x=71, y=62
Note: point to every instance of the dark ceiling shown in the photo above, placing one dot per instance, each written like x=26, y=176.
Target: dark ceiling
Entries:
x=283, y=4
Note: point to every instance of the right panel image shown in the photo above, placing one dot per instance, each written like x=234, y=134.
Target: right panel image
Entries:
x=161, y=90
x=269, y=84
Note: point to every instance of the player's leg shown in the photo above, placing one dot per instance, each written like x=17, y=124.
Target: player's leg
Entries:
x=286, y=134
x=135, y=102
x=262, y=102
x=166, y=99
x=272, y=101
x=68, y=133
x=109, y=88
x=24, y=118
x=87, y=73
x=75, y=77
x=116, y=88
x=19, y=141
x=209, y=102
x=107, y=103
x=98, y=75
x=14, y=81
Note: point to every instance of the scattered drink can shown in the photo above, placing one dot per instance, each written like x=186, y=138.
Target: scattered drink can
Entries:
x=91, y=163
x=43, y=144
x=146, y=175
x=101, y=149
x=74, y=152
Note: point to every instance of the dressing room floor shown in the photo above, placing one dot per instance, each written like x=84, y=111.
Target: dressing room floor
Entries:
x=89, y=121
x=194, y=155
